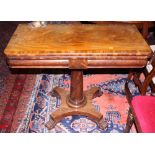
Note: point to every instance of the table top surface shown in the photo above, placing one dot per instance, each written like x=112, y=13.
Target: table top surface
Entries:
x=77, y=39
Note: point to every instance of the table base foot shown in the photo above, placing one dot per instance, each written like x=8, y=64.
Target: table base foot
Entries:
x=87, y=110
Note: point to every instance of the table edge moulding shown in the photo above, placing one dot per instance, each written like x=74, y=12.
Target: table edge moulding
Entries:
x=77, y=47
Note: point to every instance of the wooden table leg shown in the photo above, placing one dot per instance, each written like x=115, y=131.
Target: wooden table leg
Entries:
x=78, y=102
x=76, y=97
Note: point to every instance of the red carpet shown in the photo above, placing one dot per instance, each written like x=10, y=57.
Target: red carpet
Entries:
x=13, y=87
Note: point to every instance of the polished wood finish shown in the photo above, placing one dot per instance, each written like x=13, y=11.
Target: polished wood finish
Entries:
x=77, y=47
x=142, y=87
x=142, y=25
x=87, y=110
x=76, y=97
x=93, y=46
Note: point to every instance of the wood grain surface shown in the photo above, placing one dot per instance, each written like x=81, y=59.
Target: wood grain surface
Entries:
x=57, y=45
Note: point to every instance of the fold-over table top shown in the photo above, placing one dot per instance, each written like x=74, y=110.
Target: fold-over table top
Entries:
x=79, y=41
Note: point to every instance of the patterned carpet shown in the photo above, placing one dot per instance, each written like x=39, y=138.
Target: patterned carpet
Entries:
x=112, y=104
x=15, y=89
x=25, y=105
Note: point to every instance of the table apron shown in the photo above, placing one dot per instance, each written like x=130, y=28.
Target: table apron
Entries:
x=74, y=64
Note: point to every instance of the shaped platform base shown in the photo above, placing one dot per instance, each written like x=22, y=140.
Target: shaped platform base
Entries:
x=86, y=109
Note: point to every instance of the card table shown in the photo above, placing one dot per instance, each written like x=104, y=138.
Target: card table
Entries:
x=77, y=47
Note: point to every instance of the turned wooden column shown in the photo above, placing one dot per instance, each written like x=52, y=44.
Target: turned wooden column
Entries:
x=76, y=97
x=77, y=47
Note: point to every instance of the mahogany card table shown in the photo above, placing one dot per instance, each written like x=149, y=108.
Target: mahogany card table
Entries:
x=77, y=47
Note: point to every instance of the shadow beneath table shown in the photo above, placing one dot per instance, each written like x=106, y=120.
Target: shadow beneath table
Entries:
x=68, y=71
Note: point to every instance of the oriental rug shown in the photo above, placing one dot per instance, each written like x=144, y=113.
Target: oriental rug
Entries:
x=15, y=89
x=112, y=104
